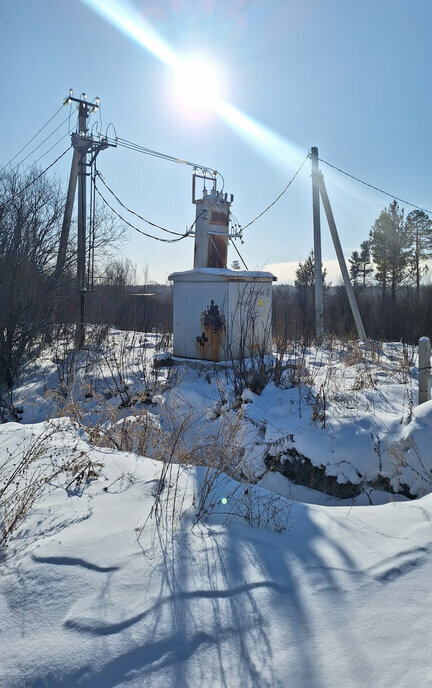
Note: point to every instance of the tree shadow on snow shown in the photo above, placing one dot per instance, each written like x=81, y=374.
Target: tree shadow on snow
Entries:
x=233, y=609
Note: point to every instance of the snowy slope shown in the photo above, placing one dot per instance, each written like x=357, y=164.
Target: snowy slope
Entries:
x=341, y=597
x=154, y=570
x=350, y=410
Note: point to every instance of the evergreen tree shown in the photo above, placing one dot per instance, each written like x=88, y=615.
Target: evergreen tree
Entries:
x=365, y=261
x=391, y=247
x=305, y=273
x=355, y=267
x=420, y=226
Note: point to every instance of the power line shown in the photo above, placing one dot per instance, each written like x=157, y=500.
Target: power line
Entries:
x=170, y=158
x=33, y=181
x=41, y=144
x=150, y=236
x=32, y=139
x=153, y=224
x=44, y=154
x=376, y=188
x=277, y=198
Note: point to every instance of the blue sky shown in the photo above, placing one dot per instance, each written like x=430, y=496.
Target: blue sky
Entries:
x=352, y=78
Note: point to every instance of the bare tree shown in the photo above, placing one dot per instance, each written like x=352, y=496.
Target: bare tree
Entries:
x=32, y=294
x=30, y=214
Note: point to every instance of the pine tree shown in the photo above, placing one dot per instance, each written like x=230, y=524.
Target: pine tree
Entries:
x=305, y=273
x=391, y=247
x=365, y=260
x=355, y=267
x=420, y=226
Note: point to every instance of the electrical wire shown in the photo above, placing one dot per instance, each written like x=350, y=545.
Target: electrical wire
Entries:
x=277, y=198
x=33, y=181
x=376, y=188
x=158, y=154
x=44, y=154
x=41, y=144
x=150, y=236
x=153, y=224
x=170, y=158
x=32, y=139
x=238, y=253
x=234, y=219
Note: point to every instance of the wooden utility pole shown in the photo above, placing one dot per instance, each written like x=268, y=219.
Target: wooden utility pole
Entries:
x=319, y=313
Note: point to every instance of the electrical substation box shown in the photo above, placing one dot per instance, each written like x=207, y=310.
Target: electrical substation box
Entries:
x=219, y=314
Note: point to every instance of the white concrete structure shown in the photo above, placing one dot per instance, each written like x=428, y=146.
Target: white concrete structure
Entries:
x=221, y=314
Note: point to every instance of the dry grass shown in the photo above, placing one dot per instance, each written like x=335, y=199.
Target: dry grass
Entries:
x=28, y=471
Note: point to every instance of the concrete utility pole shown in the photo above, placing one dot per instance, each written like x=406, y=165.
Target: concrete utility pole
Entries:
x=424, y=369
x=67, y=217
x=319, y=313
x=82, y=144
x=319, y=189
x=340, y=256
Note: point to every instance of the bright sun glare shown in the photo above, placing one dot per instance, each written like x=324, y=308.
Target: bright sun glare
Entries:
x=197, y=85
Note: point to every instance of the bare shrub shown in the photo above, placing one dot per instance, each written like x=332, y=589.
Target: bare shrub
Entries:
x=408, y=456
x=28, y=471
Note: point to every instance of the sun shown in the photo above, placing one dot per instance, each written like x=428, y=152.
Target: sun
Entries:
x=197, y=85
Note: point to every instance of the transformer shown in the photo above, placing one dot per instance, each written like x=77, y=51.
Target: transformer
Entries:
x=219, y=314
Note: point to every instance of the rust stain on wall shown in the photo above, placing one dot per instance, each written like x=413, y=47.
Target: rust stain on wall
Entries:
x=219, y=217
x=217, y=249
x=210, y=341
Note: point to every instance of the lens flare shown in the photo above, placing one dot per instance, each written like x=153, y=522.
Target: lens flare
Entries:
x=262, y=137
x=125, y=18
x=197, y=84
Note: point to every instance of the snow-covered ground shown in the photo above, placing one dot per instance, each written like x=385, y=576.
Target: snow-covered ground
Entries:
x=149, y=567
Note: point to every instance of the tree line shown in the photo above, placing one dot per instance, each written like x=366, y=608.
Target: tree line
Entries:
x=386, y=272
x=396, y=252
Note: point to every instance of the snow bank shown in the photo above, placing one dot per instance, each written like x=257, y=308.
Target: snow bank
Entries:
x=96, y=594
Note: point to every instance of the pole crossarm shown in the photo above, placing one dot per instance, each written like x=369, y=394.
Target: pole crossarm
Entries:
x=89, y=144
